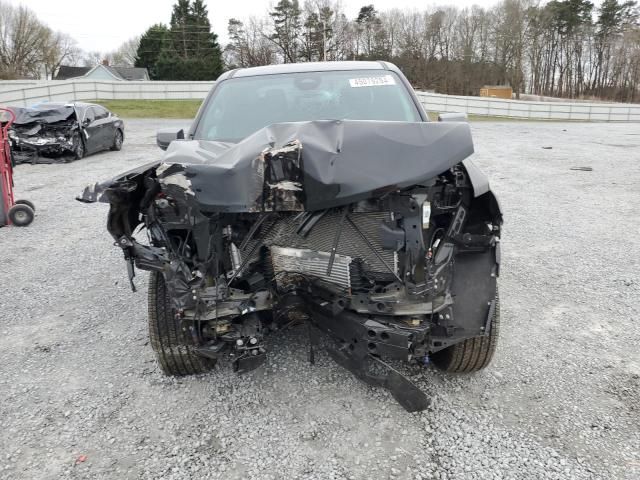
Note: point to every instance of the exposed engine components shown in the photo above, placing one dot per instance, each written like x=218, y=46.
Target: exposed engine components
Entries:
x=398, y=271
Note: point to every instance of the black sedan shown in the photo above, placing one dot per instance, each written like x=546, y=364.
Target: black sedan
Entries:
x=50, y=132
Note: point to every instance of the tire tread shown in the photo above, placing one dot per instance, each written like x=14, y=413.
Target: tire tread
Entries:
x=173, y=350
x=472, y=354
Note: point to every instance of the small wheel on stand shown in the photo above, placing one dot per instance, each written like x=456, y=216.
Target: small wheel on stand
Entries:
x=21, y=215
x=27, y=203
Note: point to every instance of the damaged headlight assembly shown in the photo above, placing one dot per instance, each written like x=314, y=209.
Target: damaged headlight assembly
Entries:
x=310, y=223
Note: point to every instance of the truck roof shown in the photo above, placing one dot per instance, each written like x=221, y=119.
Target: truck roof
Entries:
x=307, y=67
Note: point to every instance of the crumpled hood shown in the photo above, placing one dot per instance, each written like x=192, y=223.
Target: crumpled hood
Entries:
x=42, y=114
x=306, y=165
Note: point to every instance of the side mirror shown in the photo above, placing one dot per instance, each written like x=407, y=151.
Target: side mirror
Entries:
x=453, y=117
x=86, y=122
x=167, y=135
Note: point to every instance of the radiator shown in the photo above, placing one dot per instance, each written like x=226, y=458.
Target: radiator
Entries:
x=293, y=252
x=310, y=262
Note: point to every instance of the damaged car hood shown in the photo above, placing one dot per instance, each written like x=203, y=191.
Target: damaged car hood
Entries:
x=42, y=114
x=305, y=165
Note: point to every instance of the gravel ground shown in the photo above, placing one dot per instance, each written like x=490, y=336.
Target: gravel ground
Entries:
x=82, y=397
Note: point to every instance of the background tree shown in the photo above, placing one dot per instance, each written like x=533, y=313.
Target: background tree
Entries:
x=614, y=20
x=149, y=47
x=181, y=29
x=317, y=32
x=193, y=52
x=287, y=28
x=236, y=51
x=558, y=48
x=61, y=49
x=370, y=33
x=561, y=48
x=125, y=55
x=312, y=45
x=91, y=59
x=24, y=43
x=248, y=45
x=29, y=48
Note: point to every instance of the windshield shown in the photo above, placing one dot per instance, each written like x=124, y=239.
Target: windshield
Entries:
x=242, y=106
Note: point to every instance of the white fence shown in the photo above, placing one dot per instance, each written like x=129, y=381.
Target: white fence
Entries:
x=62, y=91
x=26, y=93
x=496, y=107
x=15, y=84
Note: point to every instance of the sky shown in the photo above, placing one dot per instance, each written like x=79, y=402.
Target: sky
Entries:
x=100, y=25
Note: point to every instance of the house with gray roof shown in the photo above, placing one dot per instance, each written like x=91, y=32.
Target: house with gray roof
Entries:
x=102, y=71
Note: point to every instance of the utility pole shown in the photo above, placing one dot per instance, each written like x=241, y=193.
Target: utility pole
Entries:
x=324, y=40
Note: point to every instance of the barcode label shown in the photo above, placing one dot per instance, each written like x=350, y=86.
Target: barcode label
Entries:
x=372, y=81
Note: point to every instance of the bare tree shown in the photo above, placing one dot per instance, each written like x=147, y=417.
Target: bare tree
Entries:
x=125, y=54
x=544, y=47
x=249, y=45
x=61, y=49
x=23, y=42
x=91, y=59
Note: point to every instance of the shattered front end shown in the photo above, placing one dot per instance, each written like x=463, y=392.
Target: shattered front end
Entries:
x=45, y=134
x=379, y=234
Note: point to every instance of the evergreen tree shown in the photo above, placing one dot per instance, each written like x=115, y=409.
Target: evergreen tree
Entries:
x=192, y=51
x=151, y=43
x=169, y=65
x=180, y=28
x=206, y=54
x=286, y=25
x=371, y=33
x=326, y=19
x=615, y=16
x=311, y=38
x=613, y=19
x=317, y=34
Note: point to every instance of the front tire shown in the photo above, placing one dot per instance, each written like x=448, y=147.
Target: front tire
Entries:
x=118, y=139
x=172, y=346
x=79, y=151
x=472, y=354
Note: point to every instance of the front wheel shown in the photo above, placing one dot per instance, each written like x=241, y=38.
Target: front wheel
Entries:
x=173, y=346
x=472, y=354
x=79, y=150
x=118, y=138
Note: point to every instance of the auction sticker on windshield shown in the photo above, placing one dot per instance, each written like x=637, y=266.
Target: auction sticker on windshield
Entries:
x=372, y=81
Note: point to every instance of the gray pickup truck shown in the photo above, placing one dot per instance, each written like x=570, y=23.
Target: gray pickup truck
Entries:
x=315, y=194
